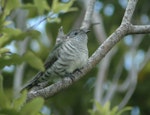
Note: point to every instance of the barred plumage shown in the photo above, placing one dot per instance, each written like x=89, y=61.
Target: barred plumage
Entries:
x=69, y=54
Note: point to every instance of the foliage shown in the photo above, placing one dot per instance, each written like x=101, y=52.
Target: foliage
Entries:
x=106, y=110
x=18, y=106
x=9, y=34
x=28, y=57
x=59, y=7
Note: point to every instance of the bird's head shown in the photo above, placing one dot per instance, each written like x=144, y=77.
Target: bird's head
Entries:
x=78, y=34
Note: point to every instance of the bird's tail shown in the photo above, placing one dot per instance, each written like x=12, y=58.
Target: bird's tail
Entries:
x=33, y=82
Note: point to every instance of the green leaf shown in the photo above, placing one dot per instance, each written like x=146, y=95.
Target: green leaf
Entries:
x=12, y=31
x=9, y=6
x=9, y=111
x=33, y=107
x=123, y=110
x=7, y=23
x=28, y=57
x=32, y=10
x=98, y=106
x=58, y=7
x=106, y=108
x=33, y=33
x=4, y=102
x=8, y=60
x=33, y=60
x=52, y=20
x=41, y=5
x=1, y=83
x=9, y=34
x=114, y=110
x=91, y=112
x=3, y=51
x=19, y=102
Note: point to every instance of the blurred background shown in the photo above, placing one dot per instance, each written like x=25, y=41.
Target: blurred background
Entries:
x=28, y=32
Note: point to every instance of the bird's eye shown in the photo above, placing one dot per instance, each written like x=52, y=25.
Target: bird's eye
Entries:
x=76, y=33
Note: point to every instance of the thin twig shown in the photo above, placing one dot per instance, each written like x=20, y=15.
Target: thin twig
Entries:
x=133, y=74
x=146, y=59
x=129, y=11
x=99, y=28
x=87, y=18
x=112, y=89
x=139, y=29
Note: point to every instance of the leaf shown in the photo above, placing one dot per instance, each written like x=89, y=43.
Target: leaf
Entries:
x=33, y=33
x=106, y=108
x=91, y=112
x=98, y=106
x=8, y=60
x=3, y=51
x=41, y=5
x=1, y=83
x=11, y=34
x=9, y=6
x=28, y=57
x=58, y=7
x=57, y=20
x=7, y=23
x=114, y=110
x=33, y=107
x=123, y=110
x=8, y=112
x=4, y=102
x=19, y=102
x=33, y=60
x=32, y=10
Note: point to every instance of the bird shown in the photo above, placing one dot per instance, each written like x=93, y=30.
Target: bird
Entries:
x=69, y=54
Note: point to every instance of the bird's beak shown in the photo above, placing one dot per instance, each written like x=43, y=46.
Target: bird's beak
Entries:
x=86, y=30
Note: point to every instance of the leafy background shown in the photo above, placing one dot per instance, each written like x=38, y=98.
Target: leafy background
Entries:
x=28, y=30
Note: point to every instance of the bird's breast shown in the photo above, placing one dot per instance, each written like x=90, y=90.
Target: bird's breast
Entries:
x=75, y=56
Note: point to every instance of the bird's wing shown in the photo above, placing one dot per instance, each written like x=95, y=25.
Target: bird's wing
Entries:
x=52, y=58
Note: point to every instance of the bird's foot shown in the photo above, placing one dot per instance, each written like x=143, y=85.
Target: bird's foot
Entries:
x=78, y=70
x=40, y=86
x=71, y=76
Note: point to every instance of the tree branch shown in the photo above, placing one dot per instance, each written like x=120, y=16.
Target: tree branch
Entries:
x=22, y=46
x=111, y=41
x=129, y=11
x=87, y=18
x=139, y=29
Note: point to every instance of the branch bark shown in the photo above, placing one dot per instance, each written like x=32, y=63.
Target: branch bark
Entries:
x=125, y=28
x=139, y=29
x=87, y=18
